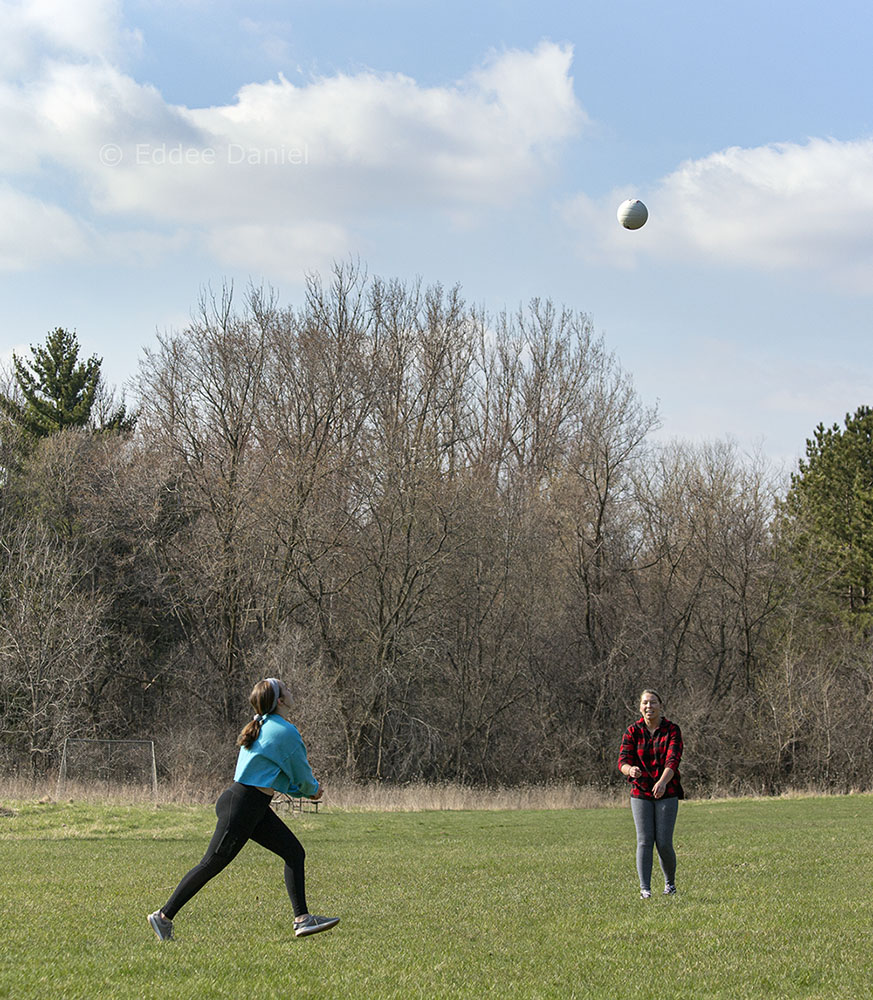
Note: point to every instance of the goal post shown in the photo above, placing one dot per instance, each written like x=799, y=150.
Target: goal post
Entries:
x=108, y=764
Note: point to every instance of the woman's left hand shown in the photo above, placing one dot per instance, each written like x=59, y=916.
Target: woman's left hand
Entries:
x=660, y=785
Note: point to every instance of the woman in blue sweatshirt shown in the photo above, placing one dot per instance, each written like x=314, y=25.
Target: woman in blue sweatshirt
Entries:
x=272, y=758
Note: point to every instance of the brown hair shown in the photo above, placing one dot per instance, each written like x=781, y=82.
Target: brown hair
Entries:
x=263, y=700
x=654, y=692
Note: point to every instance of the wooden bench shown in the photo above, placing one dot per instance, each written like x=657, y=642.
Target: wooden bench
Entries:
x=288, y=803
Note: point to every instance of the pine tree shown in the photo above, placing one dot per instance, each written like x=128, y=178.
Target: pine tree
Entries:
x=58, y=389
x=829, y=509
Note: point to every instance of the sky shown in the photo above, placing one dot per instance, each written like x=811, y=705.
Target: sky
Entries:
x=152, y=148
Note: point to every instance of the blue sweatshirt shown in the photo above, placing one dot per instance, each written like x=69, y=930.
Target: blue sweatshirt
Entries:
x=277, y=759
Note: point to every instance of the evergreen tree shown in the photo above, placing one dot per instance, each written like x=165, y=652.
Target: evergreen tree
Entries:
x=59, y=390
x=829, y=511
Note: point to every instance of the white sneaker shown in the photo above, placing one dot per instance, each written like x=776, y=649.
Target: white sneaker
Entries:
x=645, y=894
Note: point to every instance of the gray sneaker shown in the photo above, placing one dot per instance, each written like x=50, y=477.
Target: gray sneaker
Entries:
x=314, y=925
x=161, y=926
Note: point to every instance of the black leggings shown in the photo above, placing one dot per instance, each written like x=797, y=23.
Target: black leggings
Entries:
x=244, y=813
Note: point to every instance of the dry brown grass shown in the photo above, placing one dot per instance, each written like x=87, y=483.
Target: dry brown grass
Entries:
x=347, y=796
x=339, y=795
x=423, y=796
x=46, y=790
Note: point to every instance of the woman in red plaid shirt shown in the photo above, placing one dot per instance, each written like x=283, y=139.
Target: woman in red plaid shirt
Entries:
x=651, y=750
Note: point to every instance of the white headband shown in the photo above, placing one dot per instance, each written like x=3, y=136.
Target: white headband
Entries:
x=274, y=684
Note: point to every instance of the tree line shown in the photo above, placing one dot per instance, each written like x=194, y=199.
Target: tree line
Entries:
x=451, y=533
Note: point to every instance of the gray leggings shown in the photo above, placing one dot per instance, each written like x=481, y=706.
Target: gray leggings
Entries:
x=654, y=820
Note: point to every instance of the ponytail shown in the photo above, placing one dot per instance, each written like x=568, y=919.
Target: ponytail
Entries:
x=263, y=699
x=250, y=732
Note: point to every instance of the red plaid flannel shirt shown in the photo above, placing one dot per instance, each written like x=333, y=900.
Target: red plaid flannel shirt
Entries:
x=652, y=752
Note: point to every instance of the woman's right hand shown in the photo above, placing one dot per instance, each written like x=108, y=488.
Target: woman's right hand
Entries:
x=318, y=794
x=634, y=772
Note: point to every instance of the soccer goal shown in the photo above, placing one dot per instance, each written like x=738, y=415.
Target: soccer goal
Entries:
x=104, y=765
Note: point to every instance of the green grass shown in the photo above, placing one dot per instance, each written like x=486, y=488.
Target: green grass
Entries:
x=775, y=903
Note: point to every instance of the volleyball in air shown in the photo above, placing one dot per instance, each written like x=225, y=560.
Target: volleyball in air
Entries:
x=632, y=214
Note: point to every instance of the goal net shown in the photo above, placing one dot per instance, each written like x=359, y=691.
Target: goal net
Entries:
x=107, y=765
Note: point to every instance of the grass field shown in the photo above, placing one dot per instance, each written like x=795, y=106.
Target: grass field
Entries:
x=776, y=900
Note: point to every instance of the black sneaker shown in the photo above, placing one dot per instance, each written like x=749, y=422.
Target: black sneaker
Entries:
x=669, y=889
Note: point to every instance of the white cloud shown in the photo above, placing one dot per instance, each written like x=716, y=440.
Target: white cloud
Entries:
x=30, y=29
x=324, y=157
x=142, y=247
x=86, y=27
x=286, y=251
x=81, y=108
x=23, y=135
x=785, y=207
x=383, y=136
x=33, y=232
x=269, y=37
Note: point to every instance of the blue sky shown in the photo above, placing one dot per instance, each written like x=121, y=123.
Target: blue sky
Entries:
x=151, y=147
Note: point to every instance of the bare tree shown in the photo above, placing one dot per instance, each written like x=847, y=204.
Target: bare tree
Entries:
x=201, y=395
x=450, y=530
x=711, y=591
x=53, y=638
